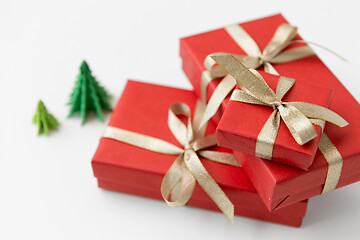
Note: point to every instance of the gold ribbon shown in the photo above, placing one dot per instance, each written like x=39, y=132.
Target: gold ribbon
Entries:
x=179, y=181
x=332, y=157
x=335, y=163
x=254, y=90
x=273, y=53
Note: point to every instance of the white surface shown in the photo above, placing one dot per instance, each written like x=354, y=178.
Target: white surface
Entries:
x=47, y=187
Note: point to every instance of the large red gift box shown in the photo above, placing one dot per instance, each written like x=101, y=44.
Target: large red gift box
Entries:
x=241, y=124
x=143, y=108
x=194, y=49
x=280, y=185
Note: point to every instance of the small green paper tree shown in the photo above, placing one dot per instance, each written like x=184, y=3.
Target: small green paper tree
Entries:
x=88, y=95
x=44, y=119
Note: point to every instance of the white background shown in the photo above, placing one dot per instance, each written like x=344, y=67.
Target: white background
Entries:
x=47, y=189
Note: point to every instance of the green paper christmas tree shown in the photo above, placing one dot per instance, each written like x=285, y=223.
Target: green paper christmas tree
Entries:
x=88, y=95
x=44, y=119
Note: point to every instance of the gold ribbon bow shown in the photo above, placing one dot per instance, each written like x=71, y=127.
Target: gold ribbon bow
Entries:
x=179, y=181
x=273, y=53
x=254, y=90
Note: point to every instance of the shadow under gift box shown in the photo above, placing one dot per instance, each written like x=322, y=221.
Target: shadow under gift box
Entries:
x=143, y=108
x=242, y=122
x=280, y=185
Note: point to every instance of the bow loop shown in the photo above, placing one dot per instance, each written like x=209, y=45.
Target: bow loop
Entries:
x=283, y=86
x=281, y=39
x=184, y=134
x=177, y=175
x=242, y=38
x=318, y=112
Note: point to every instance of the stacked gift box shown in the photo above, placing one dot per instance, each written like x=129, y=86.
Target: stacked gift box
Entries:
x=254, y=143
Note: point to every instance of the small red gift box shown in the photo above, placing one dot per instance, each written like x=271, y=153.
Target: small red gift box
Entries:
x=241, y=124
x=143, y=108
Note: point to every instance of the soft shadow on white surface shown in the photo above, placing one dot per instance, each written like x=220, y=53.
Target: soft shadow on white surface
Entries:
x=327, y=209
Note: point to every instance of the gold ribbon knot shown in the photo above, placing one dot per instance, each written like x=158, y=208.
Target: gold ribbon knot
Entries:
x=179, y=181
x=254, y=90
x=273, y=53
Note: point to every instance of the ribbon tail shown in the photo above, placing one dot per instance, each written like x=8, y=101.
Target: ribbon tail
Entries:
x=209, y=185
x=316, y=111
x=292, y=54
x=298, y=124
x=177, y=174
x=334, y=160
x=220, y=93
x=323, y=47
x=266, y=138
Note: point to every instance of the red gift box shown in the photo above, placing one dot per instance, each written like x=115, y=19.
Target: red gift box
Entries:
x=279, y=185
x=194, y=49
x=143, y=108
x=242, y=122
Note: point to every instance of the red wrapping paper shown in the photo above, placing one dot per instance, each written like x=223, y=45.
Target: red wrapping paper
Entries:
x=245, y=212
x=143, y=108
x=242, y=122
x=280, y=185
x=194, y=49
